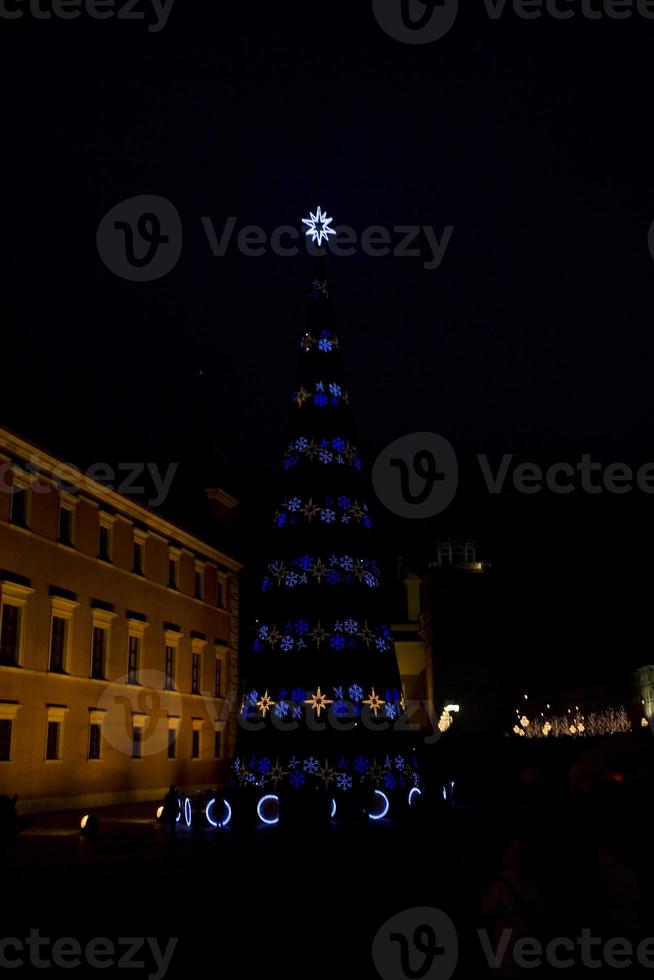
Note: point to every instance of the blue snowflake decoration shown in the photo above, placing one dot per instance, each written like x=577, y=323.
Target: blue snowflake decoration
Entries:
x=344, y=782
x=280, y=710
x=361, y=764
x=355, y=692
x=311, y=765
x=296, y=779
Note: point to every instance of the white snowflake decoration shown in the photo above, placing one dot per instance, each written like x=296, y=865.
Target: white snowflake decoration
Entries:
x=318, y=225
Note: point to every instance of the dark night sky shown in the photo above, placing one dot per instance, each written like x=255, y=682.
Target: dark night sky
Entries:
x=533, y=337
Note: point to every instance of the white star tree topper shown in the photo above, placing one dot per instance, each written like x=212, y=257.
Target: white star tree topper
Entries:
x=318, y=225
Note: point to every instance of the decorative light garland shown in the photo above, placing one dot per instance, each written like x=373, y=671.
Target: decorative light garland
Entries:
x=395, y=773
x=609, y=722
x=292, y=704
x=345, y=634
x=325, y=343
x=330, y=510
x=325, y=394
x=337, y=451
x=334, y=570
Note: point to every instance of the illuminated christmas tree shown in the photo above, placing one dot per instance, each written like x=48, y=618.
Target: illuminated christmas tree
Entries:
x=323, y=696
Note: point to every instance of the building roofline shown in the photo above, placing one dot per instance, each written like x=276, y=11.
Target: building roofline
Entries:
x=13, y=443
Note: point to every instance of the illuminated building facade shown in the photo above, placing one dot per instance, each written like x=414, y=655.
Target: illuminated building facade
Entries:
x=644, y=680
x=443, y=637
x=118, y=642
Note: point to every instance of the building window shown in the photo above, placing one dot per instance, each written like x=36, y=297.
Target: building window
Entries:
x=105, y=536
x=18, y=506
x=58, y=644
x=133, y=657
x=95, y=735
x=138, y=551
x=218, y=745
x=99, y=652
x=9, y=633
x=65, y=530
x=170, y=669
x=6, y=725
x=195, y=673
x=137, y=558
x=172, y=743
x=198, y=584
x=53, y=740
x=137, y=742
x=103, y=543
x=173, y=568
x=219, y=677
x=195, y=745
x=220, y=596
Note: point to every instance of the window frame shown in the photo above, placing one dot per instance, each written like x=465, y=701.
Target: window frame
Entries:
x=13, y=594
x=102, y=619
x=62, y=609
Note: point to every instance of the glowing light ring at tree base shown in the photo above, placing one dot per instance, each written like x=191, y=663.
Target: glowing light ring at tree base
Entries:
x=188, y=814
x=267, y=820
x=413, y=792
x=387, y=806
x=209, y=811
x=333, y=807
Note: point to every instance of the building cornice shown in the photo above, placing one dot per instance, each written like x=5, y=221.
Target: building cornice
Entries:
x=19, y=447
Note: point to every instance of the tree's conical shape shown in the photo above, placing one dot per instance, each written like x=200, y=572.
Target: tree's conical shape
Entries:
x=322, y=693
